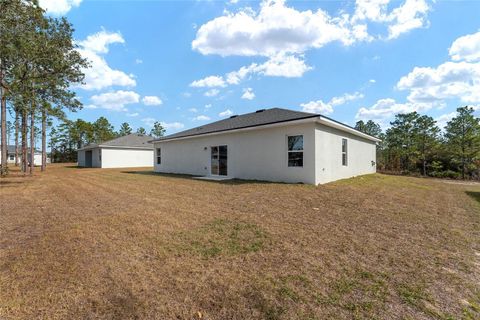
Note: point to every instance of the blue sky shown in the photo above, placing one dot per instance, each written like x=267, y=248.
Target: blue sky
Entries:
x=186, y=63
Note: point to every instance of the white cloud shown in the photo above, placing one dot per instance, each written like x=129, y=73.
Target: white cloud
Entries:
x=100, y=75
x=59, y=7
x=412, y=14
x=386, y=108
x=99, y=42
x=347, y=97
x=209, y=82
x=138, y=61
x=444, y=118
x=277, y=28
x=115, y=101
x=201, y=118
x=280, y=65
x=319, y=106
x=450, y=80
x=134, y=114
x=459, y=79
x=372, y=81
x=248, y=94
x=149, y=121
x=208, y=106
x=172, y=125
x=151, y=101
x=211, y=93
x=225, y=113
x=194, y=110
x=167, y=125
x=466, y=48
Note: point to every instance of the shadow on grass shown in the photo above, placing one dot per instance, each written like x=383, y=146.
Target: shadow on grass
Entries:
x=191, y=177
x=474, y=194
x=77, y=167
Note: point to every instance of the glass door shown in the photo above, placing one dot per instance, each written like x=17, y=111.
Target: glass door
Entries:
x=219, y=160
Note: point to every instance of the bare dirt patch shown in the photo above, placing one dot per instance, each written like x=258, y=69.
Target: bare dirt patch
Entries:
x=128, y=244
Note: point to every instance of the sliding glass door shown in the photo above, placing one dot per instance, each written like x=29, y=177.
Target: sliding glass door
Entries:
x=219, y=160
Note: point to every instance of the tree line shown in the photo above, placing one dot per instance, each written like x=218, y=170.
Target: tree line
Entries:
x=39, y=64
x=414, y=144
x=69, y=136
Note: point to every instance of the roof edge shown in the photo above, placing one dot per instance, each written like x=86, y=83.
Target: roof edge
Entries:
x=113, y=147
x=233, y=129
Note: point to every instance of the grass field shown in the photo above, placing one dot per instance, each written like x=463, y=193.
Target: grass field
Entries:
x=128, y=244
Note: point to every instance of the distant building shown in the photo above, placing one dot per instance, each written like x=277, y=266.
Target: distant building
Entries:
x=11, y=155
x=133, y=150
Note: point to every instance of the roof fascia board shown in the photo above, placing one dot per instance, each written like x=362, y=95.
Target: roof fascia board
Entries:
x=103, y=146
x=339, y=126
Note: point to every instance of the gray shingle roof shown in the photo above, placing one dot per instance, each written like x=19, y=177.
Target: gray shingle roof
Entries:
x=253, y=119
x=11, y=149
x=133, y=140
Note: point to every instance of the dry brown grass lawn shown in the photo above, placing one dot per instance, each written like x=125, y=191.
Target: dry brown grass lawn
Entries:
x=126, y=244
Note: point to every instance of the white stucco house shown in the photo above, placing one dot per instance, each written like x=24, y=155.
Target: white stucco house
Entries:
x=133, y=150
x=37, y=156
x=274, y=145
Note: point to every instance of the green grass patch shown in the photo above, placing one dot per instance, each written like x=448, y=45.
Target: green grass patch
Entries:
x=362, y=293
x=475, y=195
x=224, y=237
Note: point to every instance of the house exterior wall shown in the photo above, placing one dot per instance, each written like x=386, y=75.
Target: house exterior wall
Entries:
x=37, y=158
x=81, y=158
x=259, y=154
x=328, y=155
x=123, y=158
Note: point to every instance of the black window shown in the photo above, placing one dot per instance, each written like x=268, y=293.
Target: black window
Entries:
x=159, y=156
x=295, y=151
x=344, y=152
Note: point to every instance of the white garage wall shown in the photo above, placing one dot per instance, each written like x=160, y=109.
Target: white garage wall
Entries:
x=361, y=153
x=123, y=158
x=257, y=154
x=81, y=158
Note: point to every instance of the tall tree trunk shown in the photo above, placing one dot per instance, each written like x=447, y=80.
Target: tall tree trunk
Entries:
x=3, y=170
x=17, y=119
x=44, y=139
x=24, y=141
x=32, y=139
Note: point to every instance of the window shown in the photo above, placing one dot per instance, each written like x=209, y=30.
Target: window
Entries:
x=344, y=152
x=100, y=155
x=12, y=157
x=295, y=151
x=159, y=156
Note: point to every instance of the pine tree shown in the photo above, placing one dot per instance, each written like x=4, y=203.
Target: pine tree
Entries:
x=125, y=129
x=158, y=130
x=463, y=140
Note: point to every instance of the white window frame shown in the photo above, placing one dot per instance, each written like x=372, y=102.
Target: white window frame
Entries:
x=158, y=153
x=345, y=152
x=290, y=151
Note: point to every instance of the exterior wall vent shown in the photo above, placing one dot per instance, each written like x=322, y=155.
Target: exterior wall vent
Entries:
x=234, y=116
x=261, y=110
